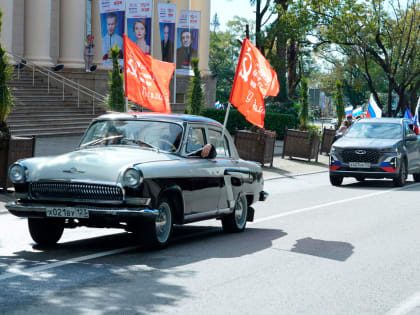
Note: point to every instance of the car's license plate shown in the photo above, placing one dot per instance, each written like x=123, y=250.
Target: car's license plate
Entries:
x=359, y=164
x=67, y=212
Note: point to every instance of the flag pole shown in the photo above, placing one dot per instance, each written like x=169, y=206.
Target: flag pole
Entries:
x=225, y=122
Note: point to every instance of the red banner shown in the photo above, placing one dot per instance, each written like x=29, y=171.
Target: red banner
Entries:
x=146, y=79
x=254, y=80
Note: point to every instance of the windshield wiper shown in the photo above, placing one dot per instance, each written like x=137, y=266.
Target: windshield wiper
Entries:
x=96, y=141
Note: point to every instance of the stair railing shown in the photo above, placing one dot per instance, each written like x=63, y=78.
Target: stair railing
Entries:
x=20, y=62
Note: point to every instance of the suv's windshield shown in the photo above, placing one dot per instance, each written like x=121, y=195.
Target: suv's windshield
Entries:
x=149, y=134
x=375, y=130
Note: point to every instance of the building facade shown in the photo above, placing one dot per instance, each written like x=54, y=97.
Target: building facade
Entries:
x=51, y=32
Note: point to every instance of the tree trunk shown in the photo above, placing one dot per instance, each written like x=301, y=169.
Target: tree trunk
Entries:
x=292, y=59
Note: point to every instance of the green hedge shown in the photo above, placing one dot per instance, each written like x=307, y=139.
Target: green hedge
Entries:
x=273, y=121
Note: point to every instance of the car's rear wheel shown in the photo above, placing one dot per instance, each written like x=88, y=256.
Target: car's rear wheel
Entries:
x=46, y=232
x=157, y=233
x=402, y=175
x=416, y=177
x=336, y=180
x=236, y=221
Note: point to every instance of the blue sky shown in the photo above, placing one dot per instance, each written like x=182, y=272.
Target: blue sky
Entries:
x=227, y=9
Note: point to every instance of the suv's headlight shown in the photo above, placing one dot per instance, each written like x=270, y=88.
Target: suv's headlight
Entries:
x=132, y=178
x=389, y=150
x=17, y=173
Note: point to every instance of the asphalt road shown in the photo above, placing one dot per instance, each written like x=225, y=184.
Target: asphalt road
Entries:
x=313, y=249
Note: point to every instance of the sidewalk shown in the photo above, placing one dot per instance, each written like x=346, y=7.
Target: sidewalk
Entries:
x=281, y=167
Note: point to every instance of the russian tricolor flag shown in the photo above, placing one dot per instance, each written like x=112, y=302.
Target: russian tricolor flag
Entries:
x=407, y=114
x=373, y=110
x=358, y=112
x=349, y=111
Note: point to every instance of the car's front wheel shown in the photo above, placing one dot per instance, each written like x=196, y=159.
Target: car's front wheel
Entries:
x=336, y=180
x=402, y=175
x=236, y=221
x=46, y=232
x=156, y=233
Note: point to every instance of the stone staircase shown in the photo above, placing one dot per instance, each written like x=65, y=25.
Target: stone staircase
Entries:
x=41, y=113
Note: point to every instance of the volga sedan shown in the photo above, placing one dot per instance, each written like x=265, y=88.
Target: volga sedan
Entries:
x=139, y=172
x=376, y=148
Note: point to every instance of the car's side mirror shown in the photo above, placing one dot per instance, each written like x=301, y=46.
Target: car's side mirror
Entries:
x=410, y=137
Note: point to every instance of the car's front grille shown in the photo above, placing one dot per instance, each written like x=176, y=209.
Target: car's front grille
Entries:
x=76, y=191
x=360, y=155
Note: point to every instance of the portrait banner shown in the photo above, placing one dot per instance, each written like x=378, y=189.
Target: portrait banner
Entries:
x=112, y=27
x=188, y=35
x=167, y=21
x=139, y=23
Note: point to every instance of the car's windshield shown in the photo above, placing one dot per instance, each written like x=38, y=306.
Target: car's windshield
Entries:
x=164, y=136
x=375, y=130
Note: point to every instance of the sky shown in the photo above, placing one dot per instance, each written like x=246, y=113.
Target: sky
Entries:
x=227, y=9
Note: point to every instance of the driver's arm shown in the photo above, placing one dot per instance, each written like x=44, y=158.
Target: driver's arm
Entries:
x=208, y=151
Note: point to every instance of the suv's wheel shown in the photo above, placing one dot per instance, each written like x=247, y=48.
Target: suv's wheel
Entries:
x=46, y=232
x=416, y=177
x=336, y=180
x=402, y=175
x=156, y=233
x=236, y=221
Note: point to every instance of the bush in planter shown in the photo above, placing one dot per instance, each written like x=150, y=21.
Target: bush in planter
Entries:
x=273, y=121
x=116, y=101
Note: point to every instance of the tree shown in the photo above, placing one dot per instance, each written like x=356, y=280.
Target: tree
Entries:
x=195, y=99
x=6, y=98
x=385, y=33
x=339, y=101
x=116, y=99
x=304, y=106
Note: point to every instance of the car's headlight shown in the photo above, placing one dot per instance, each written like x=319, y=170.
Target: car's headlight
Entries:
x=389, y=150
x=17, y=173
x=132, y=178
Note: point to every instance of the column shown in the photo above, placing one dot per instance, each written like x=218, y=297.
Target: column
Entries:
x=204, y=7
x=72, y=33
x=7, y=24
x=97, y=33
x=38, y=32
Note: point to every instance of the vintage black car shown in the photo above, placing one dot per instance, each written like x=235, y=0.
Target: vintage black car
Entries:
x=140, y=172
x=376, y=148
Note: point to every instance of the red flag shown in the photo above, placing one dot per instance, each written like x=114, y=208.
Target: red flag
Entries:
x=254, y=80
x=146, y=79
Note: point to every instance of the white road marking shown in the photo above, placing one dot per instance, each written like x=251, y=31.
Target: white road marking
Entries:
x=333, y=203
x=11, y=273
x=28, y=271
x=406, y=306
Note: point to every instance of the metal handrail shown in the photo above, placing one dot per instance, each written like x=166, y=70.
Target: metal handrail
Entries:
x=65, y=81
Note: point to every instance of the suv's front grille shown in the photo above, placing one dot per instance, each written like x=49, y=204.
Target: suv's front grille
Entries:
x=360, y=155
x=75, y=191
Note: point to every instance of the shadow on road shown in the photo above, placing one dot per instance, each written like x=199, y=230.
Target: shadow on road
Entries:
x=137, y=282
x=340, y=251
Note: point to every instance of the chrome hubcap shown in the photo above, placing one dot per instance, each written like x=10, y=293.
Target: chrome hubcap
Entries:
x=163, y=222
x=240, y=214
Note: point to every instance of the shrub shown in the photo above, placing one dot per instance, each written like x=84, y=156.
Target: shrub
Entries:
x=195, y=99
x=273, y=121
x=116, y=100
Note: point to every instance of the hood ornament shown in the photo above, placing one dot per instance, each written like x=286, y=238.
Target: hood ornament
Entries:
x=360, y=151
x=73, y=170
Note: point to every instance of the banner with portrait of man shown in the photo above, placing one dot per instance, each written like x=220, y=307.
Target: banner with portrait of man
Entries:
x=112, y=26
x=167, y=21
x=139, y=23
x=187, y=41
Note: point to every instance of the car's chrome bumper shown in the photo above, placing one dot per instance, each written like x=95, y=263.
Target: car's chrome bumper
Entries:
x=21, y=209
x=263, y=195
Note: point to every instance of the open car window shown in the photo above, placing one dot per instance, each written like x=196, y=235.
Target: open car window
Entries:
x=196, y=139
